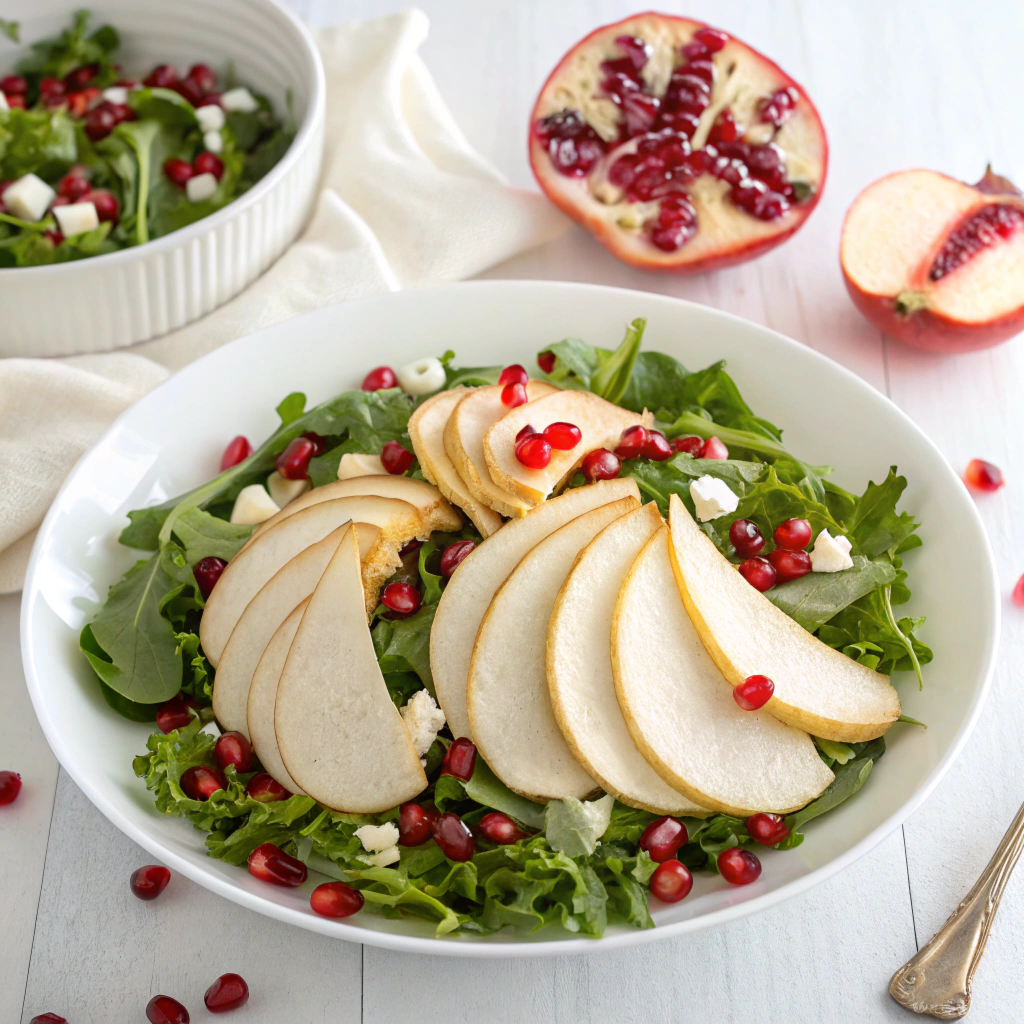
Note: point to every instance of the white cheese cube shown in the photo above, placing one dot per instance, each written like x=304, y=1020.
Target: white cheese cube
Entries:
x=381, y=860
x=283, y=490
x=200, y=188
x=423, y=718
x=240, y=100
x=253, y=505
x=116, y=94
x=4, y=105
x=75, y=218
x=376, y=838
x=210, y=117
x=28, y=198
x=830, y=554
x=213, y=141
x=360, y=465
x=712, y=498
x=422, y=377
x=211, y=729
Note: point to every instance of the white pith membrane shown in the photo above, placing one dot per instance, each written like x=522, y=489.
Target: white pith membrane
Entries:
x=742, y=80
x=897, y=227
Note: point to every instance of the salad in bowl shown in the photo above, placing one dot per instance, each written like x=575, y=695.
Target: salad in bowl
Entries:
x=507, y=650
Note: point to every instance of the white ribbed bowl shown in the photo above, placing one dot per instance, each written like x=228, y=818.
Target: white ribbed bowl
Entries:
x=108, y=302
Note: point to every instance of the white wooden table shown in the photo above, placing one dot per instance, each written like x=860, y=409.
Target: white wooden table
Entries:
x=899, y=85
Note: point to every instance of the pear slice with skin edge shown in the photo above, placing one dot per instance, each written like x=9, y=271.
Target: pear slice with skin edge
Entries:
x=510, y=712
x=339, y=733
x=817, y=689
x=468, y=593
x=426, y=431
x=263, y=697
x=464, y=433
x=250, y=569
x=681, y=713
x=600, y=422
x=579, y=668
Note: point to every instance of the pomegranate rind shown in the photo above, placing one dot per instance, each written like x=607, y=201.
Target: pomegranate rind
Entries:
x=737, y=237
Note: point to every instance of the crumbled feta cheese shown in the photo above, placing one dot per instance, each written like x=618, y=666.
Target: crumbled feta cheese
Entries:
x=283, y=490
x=210, y=117
x=116, y=94
x=213, y=141
x=381, y=860
x=75, y=218
x=422, y=377
x=423, y=719
x=200, y=188
x=28, y=198
x=360, y=465
x=240, y=100
x=211, y=729
x=376, y=838
x=4, y=105
x=830, y=554
x=712, y=498
x=253, y=505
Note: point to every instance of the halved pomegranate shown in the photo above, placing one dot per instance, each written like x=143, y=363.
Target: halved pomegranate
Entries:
x=937, y=263
x=679, y=147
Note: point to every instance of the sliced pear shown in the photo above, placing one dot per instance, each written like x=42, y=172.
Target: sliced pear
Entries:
x=263, y=697
x=469, y=592
x=601, y=424
x=253, y=566
x=509, y=706
x=339, y=733
x=817, y=689
x=680, y=711
x=426, y=429
x=579, y=666
x=464, y=432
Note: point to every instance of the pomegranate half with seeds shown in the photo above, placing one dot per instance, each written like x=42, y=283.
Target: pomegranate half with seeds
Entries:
x=679, y=147
x=936, y=263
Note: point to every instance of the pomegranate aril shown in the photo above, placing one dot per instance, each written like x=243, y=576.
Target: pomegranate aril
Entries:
x=238, y=450
x=738, y=867
x=107, y=207
x=293, y=462
x=746, y=538
x=73, y=185
x=1018, y=598
x=380, y=378
x=533, y=451
x=631, y=444
x=767, y=829
x=228, y=992
x=759, y=573
x=573, y=146
x=703, y=68
x=414, y=824
x=206, y=572
x=16, y=102
x=460, y=759
x=563, y=436
x=454, y=555
x=671, y=881
x=657, y=447
x=600, y=464
x=209, y=163
x=984, y=476
x=163, y=76
x=203, y=77
x=514, y=374
x=526, y=432
x=500, y=829
x=753, y=693
x=724, y=128
x=51, y=87
x=271, y=864
x=320, y=443
x=176, y=713
x=691, y=445
x=80, y=77
x=10, y=787
x=402, y=598
x=546, y=361
x=48, y=1018
x=166, y=1010
x=778, y=107
x=714, y=448
x=396, y=458
x=200, y=782
x=514, y=395
x=178, y=171
x=100, y=122
x=793, y=534
x=987, y=226
x=453, y=836
x=266, y=789
x=148, y=882
x=790, y=565
x=232, y=748
x=663, y=838
x=712, y=39
x=13, y=85
x=336, y=899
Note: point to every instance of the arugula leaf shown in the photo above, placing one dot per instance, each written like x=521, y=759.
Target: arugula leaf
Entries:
x=403, y=645
x=11, y=29
x=606, y=373
x=39, y=140
x=573, y=827
x=873, y=524
x=487, y=789
x=849, y=779
x=611, y=378
x=72, y=49
x=656, y=384
x=204, y=535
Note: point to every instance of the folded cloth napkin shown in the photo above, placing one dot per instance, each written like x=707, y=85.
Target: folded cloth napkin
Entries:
x=405, y=201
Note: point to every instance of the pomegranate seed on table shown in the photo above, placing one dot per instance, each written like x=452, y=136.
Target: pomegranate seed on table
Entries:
x=526, y=432
x=767, y=829
x=714, y=448
x=200, y=782
x=265, y=788
x=396, y=459
x=203, y=76
x=738, y=867
x=379, y=379
x=107, y=207
x=453, y=836
x=271, y=864
x=238, y=449
x=206, y=572
x=293, y=462
x=790, y=565
x=534, y=450
x=13, y=85
x=148, y=882
x=514, y=374
x=402, y=598
x=454, y=555
x=176, y=713
x=513, y=395
x=10, y=787
x=500, y=829
x=753, y=693
x=663, y=837
x=228, y=992
x=759, y=573
x=631, y=443
x=657, y=447
x=746, y=538
x=166, y=1010
x=601, y=464
x=546, y=361
x=1018, y=592
x=209, y=163
x=691, y=445
x=793, y=534
x=51, y=87
x=234, y=749
x=460, y=759
x=671, y=881
x=178, y=171
x=48, y=1018
x=414, y=824
x=563, y=436
x=336, y=899
x=983, y=476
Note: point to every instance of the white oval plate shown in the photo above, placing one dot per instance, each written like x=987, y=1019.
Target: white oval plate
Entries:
x=172, y=440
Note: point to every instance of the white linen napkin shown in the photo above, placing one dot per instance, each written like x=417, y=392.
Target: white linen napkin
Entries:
x=405, y=201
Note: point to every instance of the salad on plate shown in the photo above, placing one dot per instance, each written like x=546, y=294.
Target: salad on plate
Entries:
x=507, y=651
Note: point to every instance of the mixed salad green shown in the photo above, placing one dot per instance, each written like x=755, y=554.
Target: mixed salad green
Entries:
x=581, y=866
x=151, y=156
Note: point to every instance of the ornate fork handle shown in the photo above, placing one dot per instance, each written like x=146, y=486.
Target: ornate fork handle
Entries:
x=937, y=980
